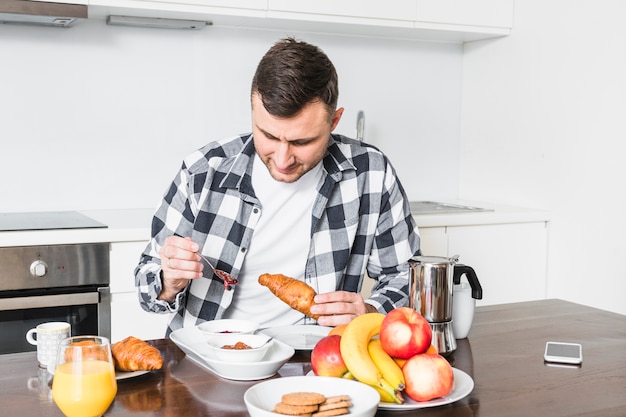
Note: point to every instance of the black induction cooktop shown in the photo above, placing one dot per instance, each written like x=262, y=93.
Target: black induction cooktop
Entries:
x=47, y=220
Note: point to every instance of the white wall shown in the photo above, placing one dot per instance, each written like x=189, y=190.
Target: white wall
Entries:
x=95, y=116
x=544, y=125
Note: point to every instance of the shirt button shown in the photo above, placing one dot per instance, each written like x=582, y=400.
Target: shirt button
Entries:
x=243, y=250
x=255, y=211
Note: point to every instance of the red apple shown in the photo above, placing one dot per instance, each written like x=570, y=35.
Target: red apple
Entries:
x=326, y=357
x=427, y=376
x=405, y=333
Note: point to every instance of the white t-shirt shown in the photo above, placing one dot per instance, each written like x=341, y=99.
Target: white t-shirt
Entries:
x=280, y=244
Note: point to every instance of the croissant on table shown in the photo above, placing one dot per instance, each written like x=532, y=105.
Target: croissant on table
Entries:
x=297, y=294
x=132, y=354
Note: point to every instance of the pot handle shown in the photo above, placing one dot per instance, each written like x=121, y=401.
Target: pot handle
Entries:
x=459, y=270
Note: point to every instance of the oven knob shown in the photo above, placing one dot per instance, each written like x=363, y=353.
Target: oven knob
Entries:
x=38, y=268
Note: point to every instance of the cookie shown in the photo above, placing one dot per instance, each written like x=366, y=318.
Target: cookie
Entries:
x=303, y=398
x=330, y=413
x=336, y=399
x=295, y=410
x=332, y=406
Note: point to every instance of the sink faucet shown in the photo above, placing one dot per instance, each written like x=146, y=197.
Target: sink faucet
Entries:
x=360, y=125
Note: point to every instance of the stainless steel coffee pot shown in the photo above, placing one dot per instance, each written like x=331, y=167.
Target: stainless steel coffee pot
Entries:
x=432, y=280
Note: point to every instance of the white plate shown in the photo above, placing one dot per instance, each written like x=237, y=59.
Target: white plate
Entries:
x=261, y=398
x=463, y=385
x=119, y=375
x=194, y=343
x=303, y=337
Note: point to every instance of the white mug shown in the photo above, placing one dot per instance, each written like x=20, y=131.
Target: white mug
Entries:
x=463, y=306
x=46, y=337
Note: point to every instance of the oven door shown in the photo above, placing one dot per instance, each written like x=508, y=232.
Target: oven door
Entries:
x=88, y=310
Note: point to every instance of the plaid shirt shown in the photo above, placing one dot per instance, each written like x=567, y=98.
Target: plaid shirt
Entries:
x=361, y=222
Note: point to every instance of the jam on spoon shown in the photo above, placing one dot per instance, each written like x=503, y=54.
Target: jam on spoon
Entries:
x=228, y=279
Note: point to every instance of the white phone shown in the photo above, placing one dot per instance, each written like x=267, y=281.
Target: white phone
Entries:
x=560, y=352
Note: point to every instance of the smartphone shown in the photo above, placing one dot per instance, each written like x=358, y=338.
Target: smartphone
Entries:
x=560, y=352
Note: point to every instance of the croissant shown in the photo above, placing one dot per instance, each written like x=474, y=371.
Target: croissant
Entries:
x=90, y=351
x=132, y=354
x=297, y=294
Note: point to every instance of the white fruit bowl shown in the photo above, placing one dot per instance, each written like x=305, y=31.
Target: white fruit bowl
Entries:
x=261, y=398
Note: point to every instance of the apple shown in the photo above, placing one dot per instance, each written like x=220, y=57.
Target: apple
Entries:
x=405, y=333
x=427, y=376
x=326, y=357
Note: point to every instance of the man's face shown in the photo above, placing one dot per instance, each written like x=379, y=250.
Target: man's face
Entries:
x=291, y=147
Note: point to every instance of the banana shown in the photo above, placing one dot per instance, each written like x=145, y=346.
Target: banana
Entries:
x=354, y=351
x=387, y=398
x=386, y=365
x=348, y=375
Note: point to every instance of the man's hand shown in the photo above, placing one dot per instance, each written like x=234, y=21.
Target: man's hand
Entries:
x=339, y=307
x=179, y=264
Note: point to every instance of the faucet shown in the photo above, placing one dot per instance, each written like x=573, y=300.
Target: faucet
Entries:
x=360, y=125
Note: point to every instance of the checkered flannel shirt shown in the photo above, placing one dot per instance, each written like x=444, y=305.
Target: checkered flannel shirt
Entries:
x=361, y=222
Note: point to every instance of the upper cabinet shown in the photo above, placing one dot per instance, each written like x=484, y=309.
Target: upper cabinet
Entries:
x=436, y=20
x=479, y=13
x=389, y=10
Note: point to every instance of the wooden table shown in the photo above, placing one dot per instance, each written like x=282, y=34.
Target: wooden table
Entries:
x=503, y=354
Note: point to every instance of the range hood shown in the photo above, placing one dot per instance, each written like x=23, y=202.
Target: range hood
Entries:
x=45, y=13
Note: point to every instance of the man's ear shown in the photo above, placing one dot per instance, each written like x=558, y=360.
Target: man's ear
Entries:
x=336, y=118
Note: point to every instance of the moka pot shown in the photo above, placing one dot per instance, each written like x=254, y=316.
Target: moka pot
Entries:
x=432, y=280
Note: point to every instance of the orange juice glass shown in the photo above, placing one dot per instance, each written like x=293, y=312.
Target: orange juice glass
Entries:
x=84, y=377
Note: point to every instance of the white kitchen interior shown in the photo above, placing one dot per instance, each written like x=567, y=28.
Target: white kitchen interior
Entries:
x=98, y=118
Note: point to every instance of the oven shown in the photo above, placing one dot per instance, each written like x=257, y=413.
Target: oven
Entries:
x=53, y=283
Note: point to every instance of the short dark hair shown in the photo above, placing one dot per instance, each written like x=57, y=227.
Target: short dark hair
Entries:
x=293, y=74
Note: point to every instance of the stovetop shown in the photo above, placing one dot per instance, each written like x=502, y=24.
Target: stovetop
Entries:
x=47, y=220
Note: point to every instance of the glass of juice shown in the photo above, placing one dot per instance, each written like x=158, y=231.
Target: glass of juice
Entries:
x=84, y=382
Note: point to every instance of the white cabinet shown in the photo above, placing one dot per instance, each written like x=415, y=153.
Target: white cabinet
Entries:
x=127, y=317
x=510, y=260
x=402, y=10
x=433, y=241
x=482, y=13
x=438, y=20
x=237, y=4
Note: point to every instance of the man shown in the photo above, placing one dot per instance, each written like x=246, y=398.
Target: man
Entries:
x=289, y=198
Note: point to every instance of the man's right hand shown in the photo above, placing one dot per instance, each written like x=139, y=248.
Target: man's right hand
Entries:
x=179, y=264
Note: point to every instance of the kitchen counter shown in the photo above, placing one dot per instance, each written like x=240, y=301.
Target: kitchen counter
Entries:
x=123, y=225
x=128, y=225
x=503, y=355
x=491, y=214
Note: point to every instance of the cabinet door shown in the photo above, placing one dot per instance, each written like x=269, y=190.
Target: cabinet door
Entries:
x=433, y=241
x=390, y=9
x=127, y=316
x=237, y=4
x=129, y=319
x=124, y=259
x=509, y=259
x=486, y=13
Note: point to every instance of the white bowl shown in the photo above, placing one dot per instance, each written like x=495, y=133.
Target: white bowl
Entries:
x=257, y=342
x=261, y=398
x=226, y=326
x=194, y=344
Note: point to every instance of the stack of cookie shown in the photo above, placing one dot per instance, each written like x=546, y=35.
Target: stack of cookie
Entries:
x=313, y=404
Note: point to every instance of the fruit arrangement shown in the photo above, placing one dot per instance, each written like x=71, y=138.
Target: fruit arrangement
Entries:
x=392, y=353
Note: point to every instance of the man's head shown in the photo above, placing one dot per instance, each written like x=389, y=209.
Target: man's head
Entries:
x=293, y=74
x=294, y=108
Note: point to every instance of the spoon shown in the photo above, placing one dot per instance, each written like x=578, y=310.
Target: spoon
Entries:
x=267, y=341
x=228, y=279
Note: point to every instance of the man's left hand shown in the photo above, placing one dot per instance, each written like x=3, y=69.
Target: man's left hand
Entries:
x=339, y=307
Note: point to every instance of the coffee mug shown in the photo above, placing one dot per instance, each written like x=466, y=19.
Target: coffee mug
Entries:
x=46, y=337
x=463, y=306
